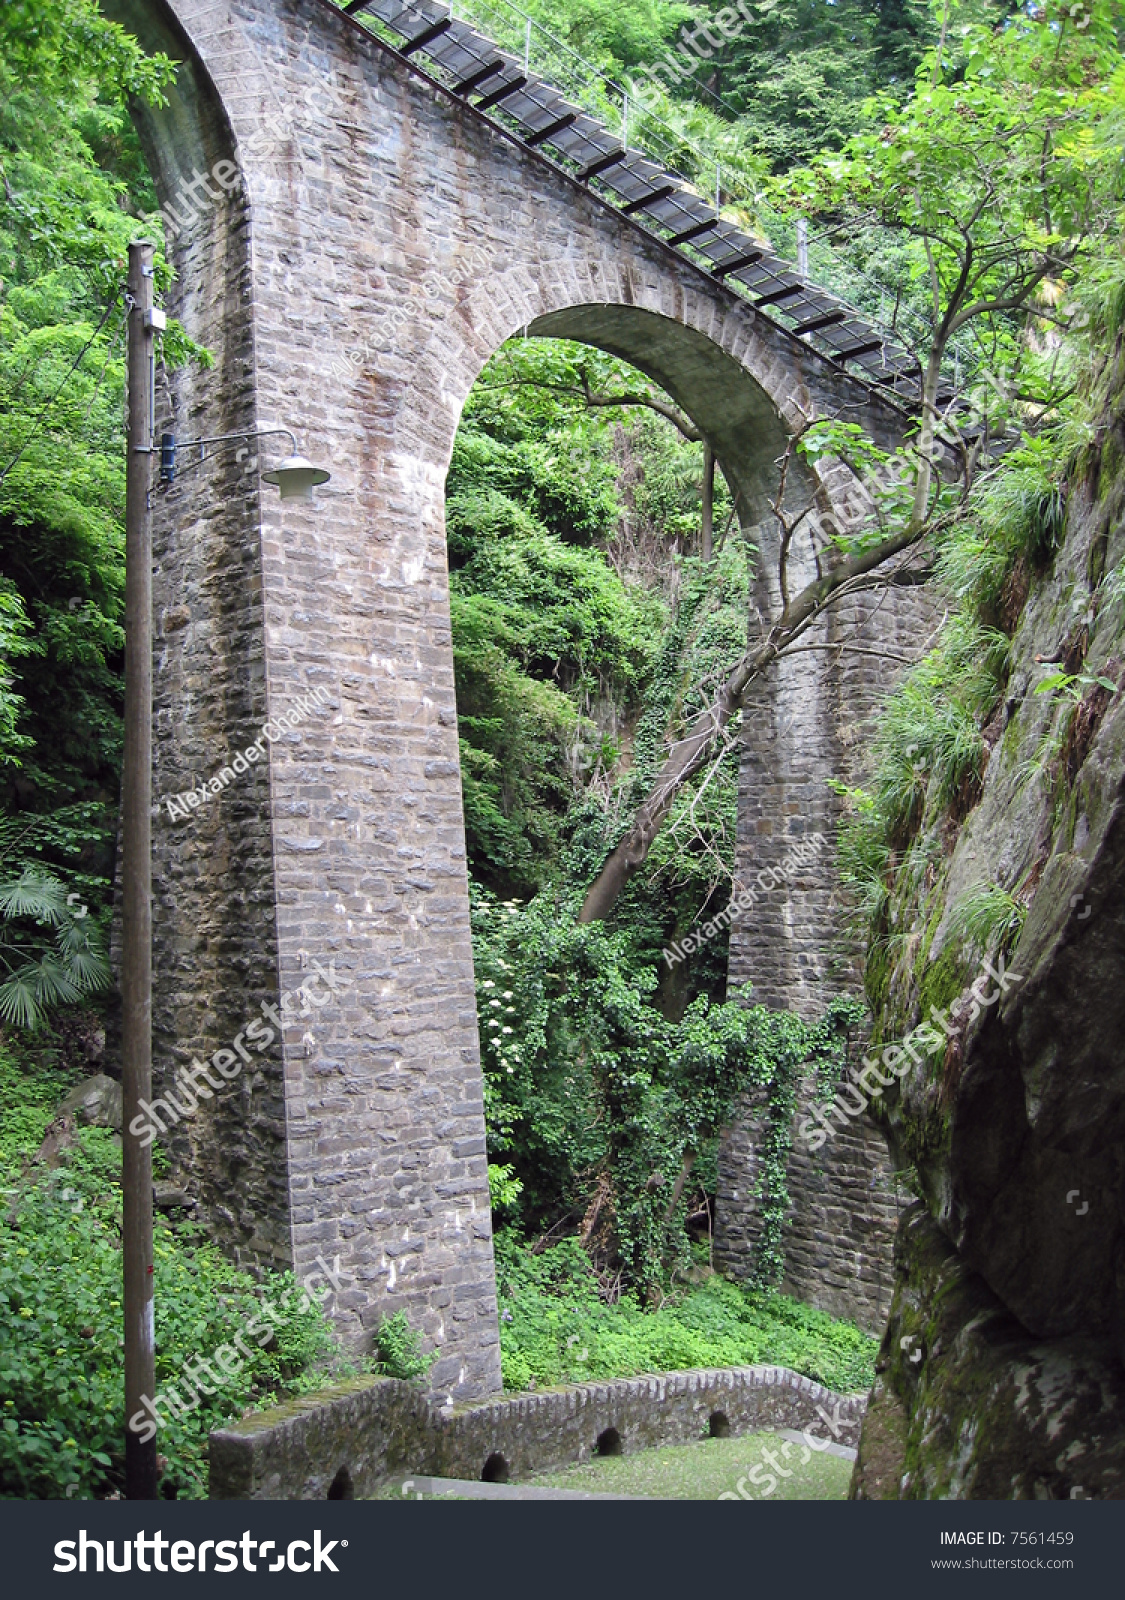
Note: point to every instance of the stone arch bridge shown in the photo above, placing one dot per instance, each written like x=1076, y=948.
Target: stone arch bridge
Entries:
x=353, y=240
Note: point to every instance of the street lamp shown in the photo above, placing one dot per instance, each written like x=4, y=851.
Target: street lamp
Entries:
x=295, y=477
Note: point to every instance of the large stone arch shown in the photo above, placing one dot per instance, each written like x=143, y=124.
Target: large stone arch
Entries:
x=360, y=243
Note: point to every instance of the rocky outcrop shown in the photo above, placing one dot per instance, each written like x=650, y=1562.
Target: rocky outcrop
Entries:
x=968, y=1406
x=95, y=1101
x=1001, y=1373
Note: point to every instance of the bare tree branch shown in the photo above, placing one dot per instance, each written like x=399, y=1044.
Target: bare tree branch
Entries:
x=689, y=754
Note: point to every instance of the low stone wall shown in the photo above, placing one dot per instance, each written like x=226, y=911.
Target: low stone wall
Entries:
x=346, y=1441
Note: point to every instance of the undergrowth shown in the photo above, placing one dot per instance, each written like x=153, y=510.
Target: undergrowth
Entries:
x=61, y=1422
x=555, y=1328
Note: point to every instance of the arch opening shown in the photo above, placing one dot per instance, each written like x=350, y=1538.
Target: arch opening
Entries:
x=526, y=550
x=730, y=408
x=609, y=1443
x=495, y=1469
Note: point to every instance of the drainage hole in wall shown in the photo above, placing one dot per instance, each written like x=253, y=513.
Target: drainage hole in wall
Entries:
x=495, y=1469
x=609, y=1443
x=341, y=1486
x=719, y=1425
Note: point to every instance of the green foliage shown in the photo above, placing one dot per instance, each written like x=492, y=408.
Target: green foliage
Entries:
x=30, y=1088
x=928, y=746
x=1014, y=519
x=927, y=765
x=996, y=180
x=14, y=628
x=51, y=949
x=398, y=1348
x=1073, y=684
x=55, y=51
x=61, y=1423
x=73, y=195
x=800, y=75
x=995, y=145
x=987, y=919
x=595, y=1099
x=504, y=1188
x=544, y=629
x=864, y=853
x=570, y=504
x=556, y=1328
x=610, y=36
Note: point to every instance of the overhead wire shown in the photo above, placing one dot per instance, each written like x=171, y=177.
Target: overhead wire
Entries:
x=70, y=371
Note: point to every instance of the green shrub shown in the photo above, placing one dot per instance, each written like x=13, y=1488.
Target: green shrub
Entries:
x=1018, y=513
x=591, y=1091
x=398, y=1347
x=61, y=1398
x=986, y=919
x=52, y=952
x=61, y=1338
x=555, y=1328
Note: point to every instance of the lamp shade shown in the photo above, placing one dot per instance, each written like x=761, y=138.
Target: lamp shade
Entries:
x=296, y=478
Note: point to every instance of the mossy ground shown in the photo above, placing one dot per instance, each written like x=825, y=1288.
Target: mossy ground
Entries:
x=705, y=1470
x=708, y=1469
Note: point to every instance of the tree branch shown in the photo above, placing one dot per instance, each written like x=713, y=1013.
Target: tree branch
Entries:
x=690, y=753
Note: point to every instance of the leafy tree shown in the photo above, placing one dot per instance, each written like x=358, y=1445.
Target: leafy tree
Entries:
x=1001, y=175
x=798, y=74
x=998, y=174
x=74, y=191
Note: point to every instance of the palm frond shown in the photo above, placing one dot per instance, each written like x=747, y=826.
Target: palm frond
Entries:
x=39, y=977
x=34, y=894
x=87, y=966
x=54, y=985
x=18, y=1004
x=27, y=993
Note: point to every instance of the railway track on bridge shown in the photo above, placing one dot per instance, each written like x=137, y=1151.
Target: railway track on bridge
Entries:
x=505, y=88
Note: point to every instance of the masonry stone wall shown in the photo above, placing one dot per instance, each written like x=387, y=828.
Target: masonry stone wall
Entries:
x=372, y=1429
x=352, y=243
x=811, y=724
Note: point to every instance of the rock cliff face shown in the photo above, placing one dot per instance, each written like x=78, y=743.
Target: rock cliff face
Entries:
x=967, y=1405
x=1001, y=1371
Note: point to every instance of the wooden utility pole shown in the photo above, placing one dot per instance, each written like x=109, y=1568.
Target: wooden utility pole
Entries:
x=708, y=519
x=136, y=882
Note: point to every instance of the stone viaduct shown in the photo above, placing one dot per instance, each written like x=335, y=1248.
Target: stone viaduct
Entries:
x=362, y=242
